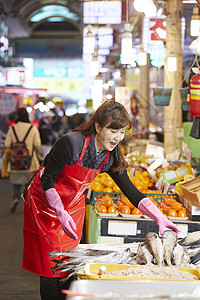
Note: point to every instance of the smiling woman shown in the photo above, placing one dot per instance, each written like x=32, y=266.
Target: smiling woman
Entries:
x=54, y=203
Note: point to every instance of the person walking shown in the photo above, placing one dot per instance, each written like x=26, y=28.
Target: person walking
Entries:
x=46, y=132
x=54, y=202
x=19, y=178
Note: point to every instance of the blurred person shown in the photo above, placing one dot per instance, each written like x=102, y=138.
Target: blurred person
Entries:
x=54, y=207
x=46, y=132
x=19, y=178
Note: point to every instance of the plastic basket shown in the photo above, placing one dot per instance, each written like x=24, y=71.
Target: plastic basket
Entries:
x=161, y=197
x=91, y=271
x=98, y=195
x=116, y=196
x=162, y=95
x=184, y=92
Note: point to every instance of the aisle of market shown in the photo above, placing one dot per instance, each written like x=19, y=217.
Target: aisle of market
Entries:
x=15, y=283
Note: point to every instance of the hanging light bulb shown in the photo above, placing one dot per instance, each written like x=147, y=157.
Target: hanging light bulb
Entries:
x=150, y=9
x=94, y=64
x=139, y=5
x=126, y=45
x=126, y=41
x=97, y=91
x=195, y=22
x=89, y=41
x=172, y=62
x=142, y=57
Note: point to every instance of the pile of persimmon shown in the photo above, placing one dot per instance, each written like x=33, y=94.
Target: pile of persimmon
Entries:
x=142, y=180
x=172, y=208
x=104, y=183
x=105, y=205
x=124, y=206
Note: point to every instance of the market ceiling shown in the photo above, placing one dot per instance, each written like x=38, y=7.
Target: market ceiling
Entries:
x=27, y=18
x=22, y=16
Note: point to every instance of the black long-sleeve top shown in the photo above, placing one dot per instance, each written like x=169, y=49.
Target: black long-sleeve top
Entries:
x=67, y=150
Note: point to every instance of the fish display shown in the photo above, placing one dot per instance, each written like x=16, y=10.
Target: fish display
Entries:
x=164, y=251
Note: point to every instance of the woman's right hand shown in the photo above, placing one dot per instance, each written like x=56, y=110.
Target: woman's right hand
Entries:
x=65, y=219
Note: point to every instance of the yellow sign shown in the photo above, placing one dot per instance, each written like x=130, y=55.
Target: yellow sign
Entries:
x=132, y=79
x=60, y=86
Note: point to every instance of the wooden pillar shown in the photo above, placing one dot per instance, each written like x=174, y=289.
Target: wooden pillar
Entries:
x=173, y=112
x=144, y=97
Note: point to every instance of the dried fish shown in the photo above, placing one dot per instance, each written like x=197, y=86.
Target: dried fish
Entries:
x=81, y=252
x=75, y=263
x=144, y=256
x=169, y=241
x=180, y=258
x=156, y=246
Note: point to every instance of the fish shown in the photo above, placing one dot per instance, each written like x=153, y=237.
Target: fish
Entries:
x=156, y=246
x=180, y=258
x=144, y=255
x=193, y=238
x=195, y=257
x=169, y=241
x=81, y=252
x=78, y=258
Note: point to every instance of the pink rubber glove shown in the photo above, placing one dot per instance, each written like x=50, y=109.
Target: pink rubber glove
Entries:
x=148, y=208
x=65, y=219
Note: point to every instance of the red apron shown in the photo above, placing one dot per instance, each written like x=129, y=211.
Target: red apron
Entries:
x=42, y=230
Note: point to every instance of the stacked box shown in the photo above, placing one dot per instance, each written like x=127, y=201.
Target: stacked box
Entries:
x=191, y=191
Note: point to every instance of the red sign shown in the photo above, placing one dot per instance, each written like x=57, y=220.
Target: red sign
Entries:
x=157, y=28
x=15, y=76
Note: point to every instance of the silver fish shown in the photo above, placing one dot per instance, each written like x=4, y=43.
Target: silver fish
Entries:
x=169, y=240
x=180, y=258
x=191, y=239
x=143, y=256
x=156, y=246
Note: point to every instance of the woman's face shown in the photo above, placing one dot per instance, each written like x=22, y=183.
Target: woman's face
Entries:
x=108, y=138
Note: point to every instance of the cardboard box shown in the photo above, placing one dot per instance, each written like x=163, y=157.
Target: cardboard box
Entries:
x=191, y=191
x=193, y=212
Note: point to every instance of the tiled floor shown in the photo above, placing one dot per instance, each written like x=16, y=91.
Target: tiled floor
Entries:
x=15, y=282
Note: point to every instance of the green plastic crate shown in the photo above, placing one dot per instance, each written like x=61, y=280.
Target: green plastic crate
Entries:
x=116, y=196
x=98, y=195
x=161, y=197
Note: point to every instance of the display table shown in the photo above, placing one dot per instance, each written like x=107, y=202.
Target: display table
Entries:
x=119, y=230
x=117, y=289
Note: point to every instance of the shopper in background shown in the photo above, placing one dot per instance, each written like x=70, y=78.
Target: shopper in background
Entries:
x=54, y=203
x=33, y=142
x=46, y=132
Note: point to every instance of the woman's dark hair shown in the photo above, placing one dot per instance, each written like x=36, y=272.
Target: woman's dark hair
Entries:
x=110, y=114
x=22, y=115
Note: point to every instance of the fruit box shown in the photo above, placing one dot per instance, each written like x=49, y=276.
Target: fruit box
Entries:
x=191, y=191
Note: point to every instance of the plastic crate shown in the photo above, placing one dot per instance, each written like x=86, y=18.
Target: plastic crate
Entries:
x=161, y=197
x=116, y=196
x=98, y=195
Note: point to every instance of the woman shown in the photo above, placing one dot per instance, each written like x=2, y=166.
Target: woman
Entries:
x=55, y=205
x=33, y=142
